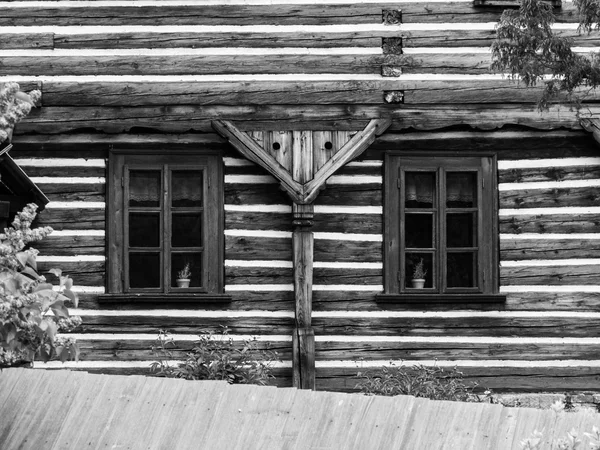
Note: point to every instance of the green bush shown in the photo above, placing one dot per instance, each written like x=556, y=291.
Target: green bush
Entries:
x=32, y=313
x=215, y=356
x=433, y=383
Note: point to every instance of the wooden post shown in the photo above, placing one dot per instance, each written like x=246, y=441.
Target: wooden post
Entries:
x=303, y=253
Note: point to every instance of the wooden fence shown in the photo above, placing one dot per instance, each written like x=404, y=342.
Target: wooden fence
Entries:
x=76, y=410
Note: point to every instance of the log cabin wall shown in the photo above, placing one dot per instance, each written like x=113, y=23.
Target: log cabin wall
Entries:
x=115, y=75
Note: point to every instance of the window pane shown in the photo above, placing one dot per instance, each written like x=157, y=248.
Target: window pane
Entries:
x=144, y=270
x=144, y=188
x=461, y=270
x=461, y=230
x=187, y=230
x=461, y=189
x=144, y=230
x=420, y=190
x=187, y=188
x=418, y=231
x=194, y=263
x=419, y=266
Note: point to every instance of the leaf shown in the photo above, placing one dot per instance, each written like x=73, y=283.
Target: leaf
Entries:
x=56, y=272
x=72, y=296
x=22, y=257
x=43, y=287
x=51, y=330
x=68, y=283
x=59, y=309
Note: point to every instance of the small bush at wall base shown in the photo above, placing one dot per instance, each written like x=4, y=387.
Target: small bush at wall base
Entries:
x=216, y=356
x=433, y=383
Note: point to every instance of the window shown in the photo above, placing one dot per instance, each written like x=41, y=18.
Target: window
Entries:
x=441, y=229
x=165, y=214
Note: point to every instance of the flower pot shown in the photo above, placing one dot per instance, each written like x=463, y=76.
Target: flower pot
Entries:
x=418, y=283
x=183, y=282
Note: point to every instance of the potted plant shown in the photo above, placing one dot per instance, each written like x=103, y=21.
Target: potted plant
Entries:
x=183, y=276
x=419, y=272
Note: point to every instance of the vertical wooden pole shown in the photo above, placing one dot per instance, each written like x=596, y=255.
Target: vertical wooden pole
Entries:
x=303, y=253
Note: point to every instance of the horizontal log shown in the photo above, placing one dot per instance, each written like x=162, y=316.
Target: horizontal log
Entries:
x=459, y=326
x=72, y=219
x=190, y=14
x=251, y=248
x=144, y=93
x=366, y=350
x=181, y=118
x=524, y=249
x=348, y=223
x=258, y=275
x=73, y=192
x=83, y=273
x=255, y=194
x=559, y=223
x=186, y=325
x=189, y=64
x=201, y=39
x=558, y=173
x=374, y=168
x=415, y=62
x=551, y=275
x=141, y=350
x=499, y=379
x=71, y=245
x=330, y=250
x=61, y=170
x=343, y=275
x=550, y=198
x=515, y=301
x=235, y=220
x=11, y=41
x=478, y=38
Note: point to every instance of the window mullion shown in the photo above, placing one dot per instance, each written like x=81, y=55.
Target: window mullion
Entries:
x=166, y=213
x=441, y=234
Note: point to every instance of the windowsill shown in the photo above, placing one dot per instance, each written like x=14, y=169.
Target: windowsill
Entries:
x=441, y=298
x=165, y=298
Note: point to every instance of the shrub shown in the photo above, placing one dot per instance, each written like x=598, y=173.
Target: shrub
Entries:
x=216, y=357
x=14, y=105
x=570, y=442
x=433, y=383
x=27, y=330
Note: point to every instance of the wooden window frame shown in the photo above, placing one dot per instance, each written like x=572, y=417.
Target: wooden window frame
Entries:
x=488, y=240
x=121, y=160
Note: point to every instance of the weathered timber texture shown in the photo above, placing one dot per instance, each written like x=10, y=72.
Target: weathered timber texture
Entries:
x=187, y=325
x=83, y=273
x=461, y=326
x=62, y=171
x=348, y=276
x=165, y=14
x=182, y=118
x=558, y=173
x=549, y=198
x=559, y=223
x=93, y=93
x=348, y=251
x=500, y=379
x=194, y=64
x=73, y=192
x=235, y=220
x=71, y=245
x=258, y=248
x=200, y=39
x=26, y=40
x=72, y=219
x=551, y=275
x=368, y=350
x=524, y=249
x=258, y=275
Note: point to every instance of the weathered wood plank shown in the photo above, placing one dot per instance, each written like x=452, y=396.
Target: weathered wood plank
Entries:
x=62, y=170
x=187, y=325
x=467, y=63
x=71, y=245
x=192, y=64
x=182, y=118
x=558, y=173
x=205, y=39
x=258, y=275
x=83, y=273
x=348, y=223
x=500, y=379
x=524, y=249
x=166, y=14
x=344, y=275
x=551, y=275
x=366, y=350
x=330, y=250
x=236, y=220
x=10, y=41
x=74, y=192
x=140, y=93
x=559, y=223
x=457, y=326
x=72, y=219
x=250, y=248
x=550, y=198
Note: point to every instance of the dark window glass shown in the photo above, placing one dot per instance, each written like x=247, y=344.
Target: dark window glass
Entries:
x=144, y=229
x=461, y=270
x=187, y=188
x=187, y=230
x=461, y=230
x=461, y=189
x=144, y=270
x=144, y=188
x=419, y=230
x=420, y=190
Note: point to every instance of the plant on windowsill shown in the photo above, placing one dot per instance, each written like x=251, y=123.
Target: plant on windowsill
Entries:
x=419, y=273
x=183, y=276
